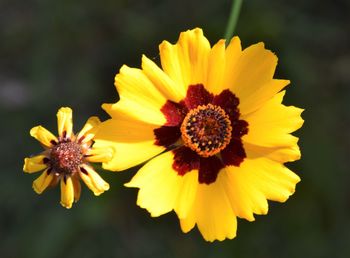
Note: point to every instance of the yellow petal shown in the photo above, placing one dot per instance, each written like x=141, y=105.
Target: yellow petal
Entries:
x=273, y=179
x=232, y=54
x=139, y=98
x=271, y=125
x=186, y=62
x=170, y=89
x=244, y=197
x=76, y=187
x=255, y=181
x=251, y=77
x=89, y=130
x=212, y=212
x=43, y=136
x=187, y=223
x=133, y=142
x=42, y=182
x=34, y=164
x=280, y=154
x=126, y=130
x=216, y=68
x=104, y=154
x=129, y=155
x=93, y=180
x=175, y=67
x=195, y=48
x=65, y=121
x=159, y=185
x=67, y=192
x=259, y=97
x=187, y=194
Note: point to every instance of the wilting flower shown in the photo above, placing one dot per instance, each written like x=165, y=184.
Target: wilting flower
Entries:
x=213, y=129
x=66, y=159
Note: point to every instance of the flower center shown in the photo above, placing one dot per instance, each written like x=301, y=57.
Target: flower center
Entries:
x=206, y=129
x=65, y=157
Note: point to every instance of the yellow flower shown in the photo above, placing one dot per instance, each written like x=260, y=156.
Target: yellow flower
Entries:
x=212, y=128
x=66, y=158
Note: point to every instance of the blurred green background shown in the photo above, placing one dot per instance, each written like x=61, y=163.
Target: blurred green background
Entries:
x=66, y=53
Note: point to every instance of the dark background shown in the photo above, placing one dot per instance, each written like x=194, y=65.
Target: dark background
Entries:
x=66, y=53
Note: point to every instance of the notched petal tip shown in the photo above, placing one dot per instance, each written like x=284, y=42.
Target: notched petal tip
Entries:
x=93, y=180
x=165, y=46
x=42, y=135
x=65, y=121
x=67, y=192
x=259, y=49
x=77, y=188
x=124, y=69
x=295, y=178
x=89, y=130
x=235, y=39
x=221, y=42
x=103, y=155
x=103, y=188
x=234, y=45
x=42, y=182
x=107, y=107
x=34, y=164
x=211, y=240
x=197, y=31
x=64, y=205
x=65, y=110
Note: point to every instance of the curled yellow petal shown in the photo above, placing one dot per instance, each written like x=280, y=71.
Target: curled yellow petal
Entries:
x=132, y=141
x=34, y=164
x=77, y=188
x=65, y=121
x=162, y=81
x=137, y=93
x=176, y=68
x=89, y=130
x=99, y=154
x=42, y=182
x=93, y=180
x=67, y=192
x=280, y=154
x=44, y=136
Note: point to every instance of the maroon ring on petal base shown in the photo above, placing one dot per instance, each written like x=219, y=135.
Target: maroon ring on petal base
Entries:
x=228, y=127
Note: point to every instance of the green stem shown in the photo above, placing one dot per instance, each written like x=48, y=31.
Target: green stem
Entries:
x=232, y=21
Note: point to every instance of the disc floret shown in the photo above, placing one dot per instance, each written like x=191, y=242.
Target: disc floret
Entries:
x=206, y=129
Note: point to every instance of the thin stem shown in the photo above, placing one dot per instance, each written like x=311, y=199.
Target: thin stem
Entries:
x=232, y=21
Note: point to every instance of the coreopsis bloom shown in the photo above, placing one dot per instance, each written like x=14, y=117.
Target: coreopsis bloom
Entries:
x=66, y=158
x=212, y=128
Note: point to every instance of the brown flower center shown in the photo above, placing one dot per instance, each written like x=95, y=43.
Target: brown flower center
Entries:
x=206, y=129
x=65, y=157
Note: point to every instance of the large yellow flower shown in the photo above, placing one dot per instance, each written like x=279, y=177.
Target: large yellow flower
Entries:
x=213, y=129
x=66, y=159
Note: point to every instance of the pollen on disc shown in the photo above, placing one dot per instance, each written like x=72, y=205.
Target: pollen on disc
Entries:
x=206, y=129
x=65, y=157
